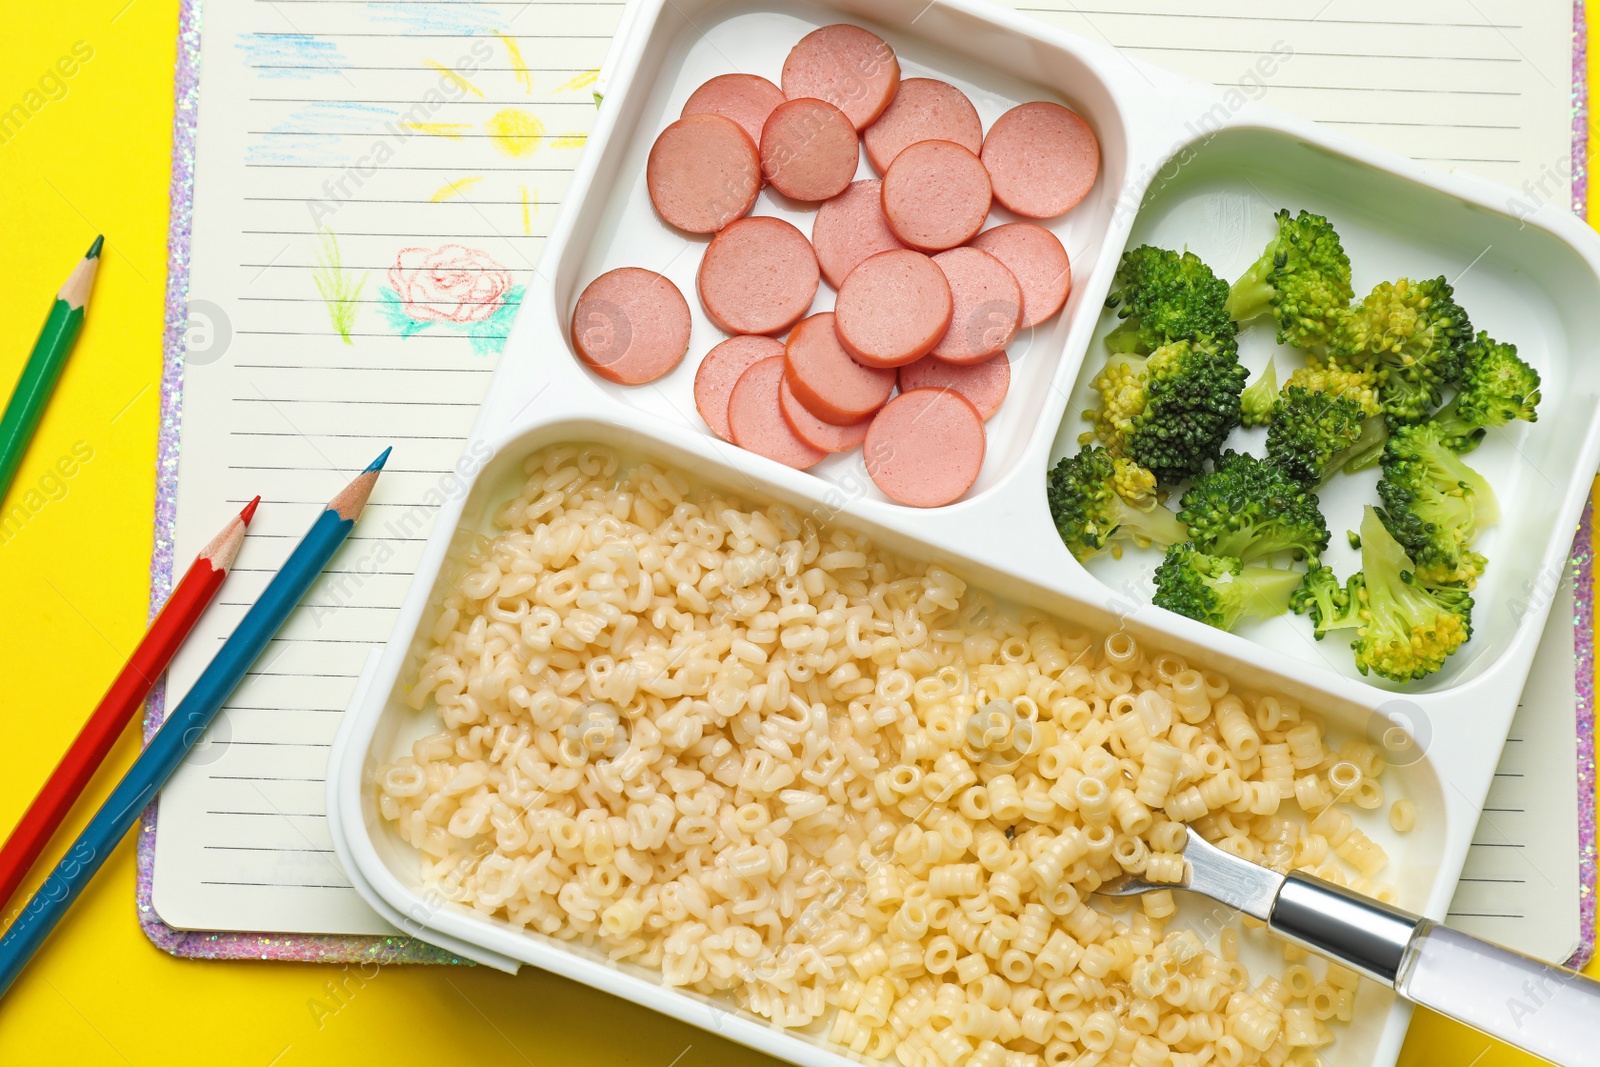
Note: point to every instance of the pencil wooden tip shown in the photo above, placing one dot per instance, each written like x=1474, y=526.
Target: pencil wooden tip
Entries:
x=353, y=497
x=249, y=511
x=94, y=249
x=383, y=457
x=224, y=548
x=75, y=290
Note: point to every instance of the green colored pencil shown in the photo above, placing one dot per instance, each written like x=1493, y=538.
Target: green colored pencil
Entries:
x=43, y=369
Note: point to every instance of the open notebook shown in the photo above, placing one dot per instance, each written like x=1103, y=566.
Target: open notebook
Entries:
x=344, y=148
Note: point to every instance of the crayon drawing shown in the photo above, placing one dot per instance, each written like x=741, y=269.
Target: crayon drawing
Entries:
x=340, y=288
x=322, y=133
x=463, y=17
x=452, y=287
x=300, y=56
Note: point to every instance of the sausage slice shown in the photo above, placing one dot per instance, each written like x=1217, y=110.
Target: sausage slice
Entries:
x=631, y=326
x=719, y=372
x=818, y=433
x=893, y=308
x=1034, y=257
x=703, y=172
x=925, y=448
x=825, y=378
x=747, y=99
x=852, y=69
x=936, y=195
x=983, y=384
x=986, y=306
x=1042, y=159
x=849, y=228
x=758, y=276
x=757, y=422
x=809, y=150
x=925, y=109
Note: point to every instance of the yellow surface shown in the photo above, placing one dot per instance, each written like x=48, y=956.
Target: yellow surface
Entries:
x=91, y=157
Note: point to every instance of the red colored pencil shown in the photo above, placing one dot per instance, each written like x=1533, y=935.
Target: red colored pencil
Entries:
x=89, y=749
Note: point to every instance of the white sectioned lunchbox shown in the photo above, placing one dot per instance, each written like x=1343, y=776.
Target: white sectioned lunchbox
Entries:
x=1183, y=165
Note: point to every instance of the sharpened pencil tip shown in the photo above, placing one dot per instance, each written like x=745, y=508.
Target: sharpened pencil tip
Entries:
x=249, y=511
x=94, y=249
x=377, y=464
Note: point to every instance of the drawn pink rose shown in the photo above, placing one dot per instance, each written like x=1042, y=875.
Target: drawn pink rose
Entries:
x=451, y=283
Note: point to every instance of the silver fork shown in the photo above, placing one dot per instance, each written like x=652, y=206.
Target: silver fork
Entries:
x=1546, y=1010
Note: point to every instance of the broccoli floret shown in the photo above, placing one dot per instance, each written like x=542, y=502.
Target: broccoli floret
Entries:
x=1496, y=387
x=1251, y=509
x=1435, y=505
x=1255, y=403
x=1360, y=386
x=1303, y=279
x=1169, y=412
x=1410, y=336
x=1326, y=600
x=1164, y=296
x=1098, y=500
x=1407, y=628
x=1219, y=590
x=1326, y=420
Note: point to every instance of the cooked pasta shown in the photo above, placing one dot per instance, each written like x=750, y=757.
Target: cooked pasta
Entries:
x=758, y=754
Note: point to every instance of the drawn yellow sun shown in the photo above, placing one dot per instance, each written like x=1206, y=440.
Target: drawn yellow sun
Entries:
x=515, y=132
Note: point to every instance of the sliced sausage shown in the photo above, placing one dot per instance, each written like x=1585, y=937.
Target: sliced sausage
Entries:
x=936, y=195
x=1042, y=159
x=747, y=99
x=631, y=326
x=925, y=448
x=851, y=69
x=824, y=377
x=925, y=109
x=757, y=423
x=892, y=309
x=986, y=306
x=1034, y=257
x=703, y=173
x=719, y=372
x=758, y=276
x=809, y=150
x=849, y=228
x=983, y=384
x=818, y=433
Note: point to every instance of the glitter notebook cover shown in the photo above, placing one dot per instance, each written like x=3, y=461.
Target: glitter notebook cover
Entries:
x=347, y=949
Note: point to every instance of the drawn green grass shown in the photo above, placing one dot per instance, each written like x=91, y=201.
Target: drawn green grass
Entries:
x=340, y=289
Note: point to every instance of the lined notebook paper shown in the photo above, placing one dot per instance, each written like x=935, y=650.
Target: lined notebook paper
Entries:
x=347, y=146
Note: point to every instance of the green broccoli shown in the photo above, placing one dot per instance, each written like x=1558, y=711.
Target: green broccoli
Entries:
x=1358, y=385
x=1170, y=411
x=1410, y=336
x=1407, y=628
x=1303, y=279
x=1255, y=403
x=1164, y=296
x=1496, y=387
x=1098, y=500
x=1435, y=505
x=1251, y=509
x=1326, y=600
x=1219, y=590
x=1325, y=420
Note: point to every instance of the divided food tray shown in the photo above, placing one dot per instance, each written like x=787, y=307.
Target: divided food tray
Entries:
x=1182, y=165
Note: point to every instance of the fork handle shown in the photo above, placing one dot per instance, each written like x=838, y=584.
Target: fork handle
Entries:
x=1549, y=1011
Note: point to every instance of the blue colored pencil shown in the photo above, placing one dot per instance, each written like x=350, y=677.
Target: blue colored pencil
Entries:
x=183, y=727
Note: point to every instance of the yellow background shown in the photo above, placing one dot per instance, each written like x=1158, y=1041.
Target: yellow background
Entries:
x=73, y=593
